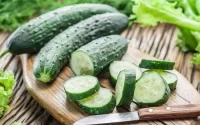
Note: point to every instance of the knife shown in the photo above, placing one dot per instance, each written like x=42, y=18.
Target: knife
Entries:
x=153, y=113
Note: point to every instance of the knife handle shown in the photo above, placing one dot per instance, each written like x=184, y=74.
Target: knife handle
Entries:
x=166, y=112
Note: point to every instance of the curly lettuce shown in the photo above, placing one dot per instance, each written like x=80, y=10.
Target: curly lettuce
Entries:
x=185, y=14
x=6, y=84
x=151, y=12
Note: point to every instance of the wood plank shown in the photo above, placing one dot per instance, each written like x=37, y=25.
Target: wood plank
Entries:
x=53, y=98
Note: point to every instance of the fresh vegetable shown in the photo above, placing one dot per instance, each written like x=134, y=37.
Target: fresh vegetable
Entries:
x=125, y=87
x=100, y=103
x=151, y=90
x=117, y=66
x=55, y=54
x=183, y=13
x=151, y=12
x=170, y=78
x=14, y=13
x=6, y=84
x=157, y=64
x=32, y=36
x=96, y=55
x=16, y=123
x=81, y=87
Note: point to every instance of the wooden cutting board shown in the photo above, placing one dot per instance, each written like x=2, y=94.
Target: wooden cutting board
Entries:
x=53, y=98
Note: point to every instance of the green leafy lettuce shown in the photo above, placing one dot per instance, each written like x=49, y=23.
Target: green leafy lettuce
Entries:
x=185, y=14
x=6, y=84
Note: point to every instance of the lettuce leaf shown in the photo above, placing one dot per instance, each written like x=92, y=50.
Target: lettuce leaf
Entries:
x=6, y=84
x=151, y=12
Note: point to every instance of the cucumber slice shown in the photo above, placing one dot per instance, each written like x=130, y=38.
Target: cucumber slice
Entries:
x=117, y=66
x=169, y=77
x=156, y=64
x=81, y=87
x=151, y=90
x=125, y=87
x=100, y=103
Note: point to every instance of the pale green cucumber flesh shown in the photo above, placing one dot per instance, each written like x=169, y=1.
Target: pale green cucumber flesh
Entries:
x=170, y=78
x=117, y=66
x=100, y=103
x=81, y=87
x=151, y=90
x=81, y=63
x=125, y=87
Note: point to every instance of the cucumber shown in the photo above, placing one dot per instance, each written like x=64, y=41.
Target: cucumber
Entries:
x=96, y=55
x=117, y=66
x=169, y=77
x=100, y=103
x=157, y=64
x=81, y=87
x=32, y=36
x=125, y=87
x=55, y=54
x=151, y=90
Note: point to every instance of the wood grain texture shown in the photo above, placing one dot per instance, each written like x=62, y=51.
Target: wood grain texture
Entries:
x=157, y=41
x=166, y=112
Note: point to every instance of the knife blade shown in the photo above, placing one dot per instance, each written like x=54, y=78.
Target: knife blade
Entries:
x=164, y=112
x=109, y=118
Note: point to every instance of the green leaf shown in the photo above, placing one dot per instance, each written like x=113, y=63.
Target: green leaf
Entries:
x=151, y=12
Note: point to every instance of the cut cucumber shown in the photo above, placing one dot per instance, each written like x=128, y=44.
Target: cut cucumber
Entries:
x=81, y=87
x=169, y=77
x=96, y=55
x=125, y=87
x=151, y=90
x=100, y=103
x=117, y=66
x=157, y=64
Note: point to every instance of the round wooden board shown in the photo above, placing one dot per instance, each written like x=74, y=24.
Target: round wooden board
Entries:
x=53, y=98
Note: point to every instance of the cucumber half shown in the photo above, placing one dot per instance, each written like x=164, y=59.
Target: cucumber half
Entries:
x=117, y=66
x=157, y=64
x=101, y=102
x=81, y=87
x=151, y=90
x=93, y=57
x=125, y=87
x=169, y=77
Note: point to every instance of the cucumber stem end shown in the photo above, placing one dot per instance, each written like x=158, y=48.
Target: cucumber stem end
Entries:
x=4, y=53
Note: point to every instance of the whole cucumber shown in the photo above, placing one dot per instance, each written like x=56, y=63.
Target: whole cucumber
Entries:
x=32, y=36
x=93, y=57
x=52, y=57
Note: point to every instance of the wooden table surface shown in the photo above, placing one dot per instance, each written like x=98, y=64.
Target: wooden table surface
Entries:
x=157, y=41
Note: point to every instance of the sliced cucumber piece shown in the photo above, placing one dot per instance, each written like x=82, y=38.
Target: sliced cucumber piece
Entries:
x=101, y=102
x=93, y=57
x=151, y=90
x=125, y=87
x=157, y=64
x=81, y=87
x=169, y=77
x=117, y=66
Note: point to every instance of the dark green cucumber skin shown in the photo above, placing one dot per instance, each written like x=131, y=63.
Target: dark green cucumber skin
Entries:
x=129, y=85
x=32, y=36
x=52, y=57
x=80, y=96
x=105, y=50
x=157, y=64
x=100, y=110
x=159, y=102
